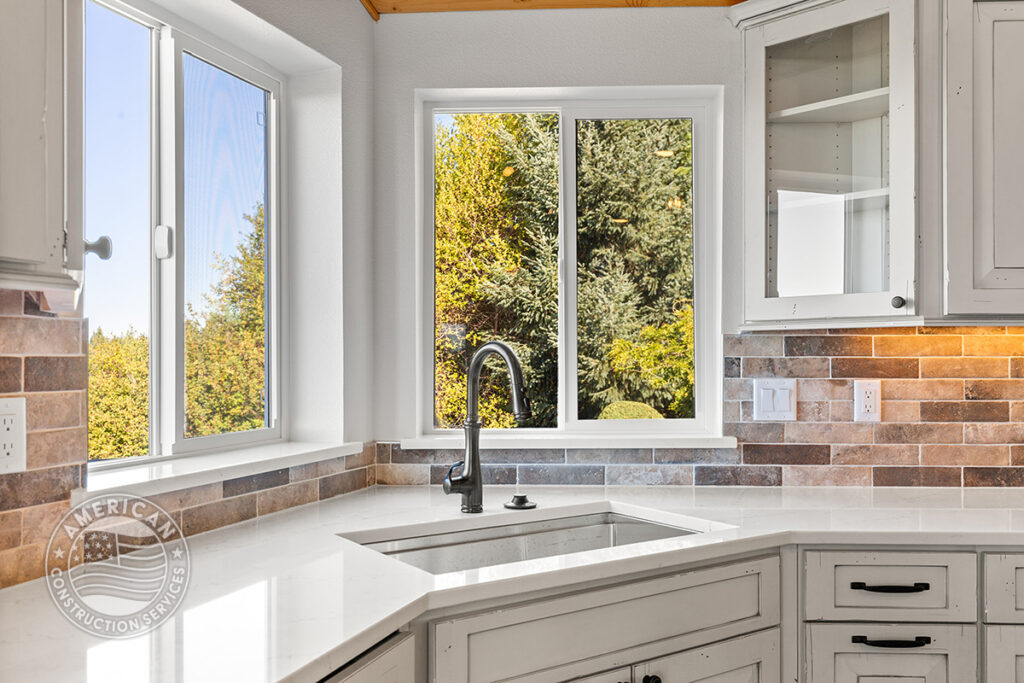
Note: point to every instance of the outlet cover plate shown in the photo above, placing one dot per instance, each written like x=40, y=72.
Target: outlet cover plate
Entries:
x=774, y=399
x=12, y=435
x=867, y=400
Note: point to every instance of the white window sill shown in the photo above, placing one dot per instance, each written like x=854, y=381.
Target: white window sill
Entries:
x=573, y=441
x=159, y=475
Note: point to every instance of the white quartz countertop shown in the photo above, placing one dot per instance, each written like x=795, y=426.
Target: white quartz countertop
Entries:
x=283, y=597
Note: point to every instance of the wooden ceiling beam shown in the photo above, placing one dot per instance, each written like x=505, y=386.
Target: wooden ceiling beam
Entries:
x=379, y=7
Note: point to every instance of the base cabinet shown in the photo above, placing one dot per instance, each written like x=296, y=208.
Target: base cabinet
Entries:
x=884, y=653
x=1004, y=654
x=393, y=661
x=750, y=659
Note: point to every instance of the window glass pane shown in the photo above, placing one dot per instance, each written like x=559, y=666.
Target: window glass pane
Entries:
x=116, y=297
x=496, y=260
x=634, y=261
x=827, y=168
x=225, y=186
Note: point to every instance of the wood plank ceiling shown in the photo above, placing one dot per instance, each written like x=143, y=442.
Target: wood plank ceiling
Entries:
x=379, y=7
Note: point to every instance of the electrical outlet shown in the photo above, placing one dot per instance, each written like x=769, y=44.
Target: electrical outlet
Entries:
x=12, y=435
x=867, y=400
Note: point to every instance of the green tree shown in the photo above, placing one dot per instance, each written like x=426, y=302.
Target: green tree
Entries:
x=118, y=395
x=225, y=355
x=634, y=250
x=225, y=344
x=495, y=260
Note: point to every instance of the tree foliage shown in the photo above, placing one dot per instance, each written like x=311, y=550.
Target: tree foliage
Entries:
x=118, y=395
x=496, y=262
x=225, y=353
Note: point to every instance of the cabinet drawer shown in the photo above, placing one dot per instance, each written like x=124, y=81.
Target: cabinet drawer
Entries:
x=947, y=653
x=890, y=586
x=1004, y=588
x=598, y=629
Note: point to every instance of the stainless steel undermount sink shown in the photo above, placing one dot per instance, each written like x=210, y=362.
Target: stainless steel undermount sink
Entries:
x=460, y=550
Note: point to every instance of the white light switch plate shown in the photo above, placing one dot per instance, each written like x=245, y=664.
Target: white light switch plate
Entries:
x=867, y=400
x=12, y=435
x=774, y=399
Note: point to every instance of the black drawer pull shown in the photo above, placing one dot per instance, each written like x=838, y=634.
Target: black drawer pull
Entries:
x=916, y=588
x=919, y=641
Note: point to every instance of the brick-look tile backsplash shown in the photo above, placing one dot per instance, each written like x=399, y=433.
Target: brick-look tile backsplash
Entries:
x=952, y=415
x=43, y=358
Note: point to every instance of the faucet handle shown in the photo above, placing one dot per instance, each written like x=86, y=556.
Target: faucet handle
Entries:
x=447, y=484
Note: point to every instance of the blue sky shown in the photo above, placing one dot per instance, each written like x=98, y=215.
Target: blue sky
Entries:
x=225, y=168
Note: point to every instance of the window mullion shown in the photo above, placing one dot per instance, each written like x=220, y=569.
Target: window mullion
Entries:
x=168, y=412
x=567, y=318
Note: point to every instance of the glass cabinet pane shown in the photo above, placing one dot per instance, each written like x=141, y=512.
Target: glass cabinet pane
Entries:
x=827, y=117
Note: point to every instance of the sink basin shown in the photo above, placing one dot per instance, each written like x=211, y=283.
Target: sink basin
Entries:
x=460, y=550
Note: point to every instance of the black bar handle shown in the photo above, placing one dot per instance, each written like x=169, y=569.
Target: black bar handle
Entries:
x=919, y=587
x=919, y=641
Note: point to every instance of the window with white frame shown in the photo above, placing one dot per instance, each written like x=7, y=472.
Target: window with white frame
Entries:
x=181, y=173
x=585, y=233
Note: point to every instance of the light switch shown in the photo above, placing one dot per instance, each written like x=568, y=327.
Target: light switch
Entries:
x=774, y=399
x=781, y=400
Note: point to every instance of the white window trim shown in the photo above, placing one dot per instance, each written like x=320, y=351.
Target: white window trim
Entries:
x=701, y=103
x=171, y=37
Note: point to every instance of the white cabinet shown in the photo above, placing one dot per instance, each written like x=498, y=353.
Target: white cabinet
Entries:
x=393, y=661
x=852, y=585
x=37, y=145
x=609, y=628
x=623, y=675
x=984, y=225
x=1004, y=588
x=1004, y=654
x=882, y=653
x=829, y=167
x=750, y=659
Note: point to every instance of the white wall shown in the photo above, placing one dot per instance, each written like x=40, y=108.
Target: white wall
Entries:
x=648, y=46
x=337, y=321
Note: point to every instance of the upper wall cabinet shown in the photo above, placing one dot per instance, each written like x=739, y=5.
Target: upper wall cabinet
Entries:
x=40, y=242
x=829, y=168
x=984, y=231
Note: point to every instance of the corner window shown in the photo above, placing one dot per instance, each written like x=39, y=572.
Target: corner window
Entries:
x=575, y=231
x=180, y=173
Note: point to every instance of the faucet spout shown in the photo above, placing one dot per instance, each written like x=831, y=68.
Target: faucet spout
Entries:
x=470, y=482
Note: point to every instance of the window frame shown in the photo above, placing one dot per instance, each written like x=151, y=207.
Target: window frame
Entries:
x=701, y=104
x=170, y=38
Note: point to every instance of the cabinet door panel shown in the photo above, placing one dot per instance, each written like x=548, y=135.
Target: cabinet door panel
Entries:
x=1004, y=654
x=750, y=659
x=1004, y=588
x=617, y=676
x=948, y=656
x=394, y=661
x=31, y=132
x=599, y=629
x=985, y=158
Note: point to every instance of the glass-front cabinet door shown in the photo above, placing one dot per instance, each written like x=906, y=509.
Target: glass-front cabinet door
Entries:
x=830, y=162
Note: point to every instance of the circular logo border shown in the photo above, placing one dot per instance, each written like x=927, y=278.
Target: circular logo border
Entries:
x=59, y=580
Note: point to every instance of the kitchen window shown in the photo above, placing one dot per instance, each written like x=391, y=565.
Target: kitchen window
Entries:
x=181, y=148
x=585, y=232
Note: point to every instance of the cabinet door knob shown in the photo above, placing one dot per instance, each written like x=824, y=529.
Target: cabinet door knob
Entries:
x=898, y=302
x=102, y=247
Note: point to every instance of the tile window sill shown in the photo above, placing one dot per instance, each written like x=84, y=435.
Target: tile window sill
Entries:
x=160, y=475
x=513, y=441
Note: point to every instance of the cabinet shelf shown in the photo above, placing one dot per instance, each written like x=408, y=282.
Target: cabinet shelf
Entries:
x=869, y=104
x=876, y=198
